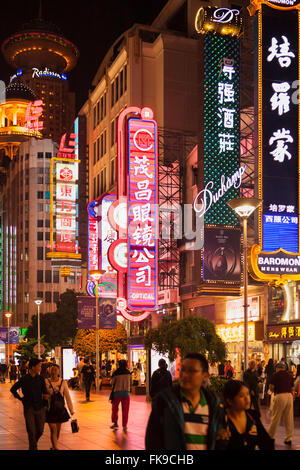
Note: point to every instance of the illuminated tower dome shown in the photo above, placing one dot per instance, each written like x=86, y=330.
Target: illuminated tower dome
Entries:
x=42, y=57
x=13, y=129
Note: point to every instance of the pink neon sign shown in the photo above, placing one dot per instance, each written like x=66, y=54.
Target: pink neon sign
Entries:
x=142, y=240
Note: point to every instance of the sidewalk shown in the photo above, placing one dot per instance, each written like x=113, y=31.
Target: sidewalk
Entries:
x=94, y=419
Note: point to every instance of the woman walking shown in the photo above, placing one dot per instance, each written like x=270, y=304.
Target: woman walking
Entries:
x=244, y=430
x=120, y=382
x=57, y=413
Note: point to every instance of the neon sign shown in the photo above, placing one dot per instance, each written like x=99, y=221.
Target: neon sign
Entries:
x=36, y=73
x=224, y=15
x=33, y=112
x=142, y=215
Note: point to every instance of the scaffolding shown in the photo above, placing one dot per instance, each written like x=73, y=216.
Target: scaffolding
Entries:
x=174, y=147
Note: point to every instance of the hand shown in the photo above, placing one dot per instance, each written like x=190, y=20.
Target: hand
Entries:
x=223, y=434
x=72, y=413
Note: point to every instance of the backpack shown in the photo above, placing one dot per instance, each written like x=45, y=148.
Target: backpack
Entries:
x=57, y=402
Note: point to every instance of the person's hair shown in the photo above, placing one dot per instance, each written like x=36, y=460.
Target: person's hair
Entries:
x=54, y=366
x=198, y=357
x=34, y=362
x=122, y=364
x=232, y=389
x=280, y=365
x=252, y=363
x=270, y=362
x=162, y=364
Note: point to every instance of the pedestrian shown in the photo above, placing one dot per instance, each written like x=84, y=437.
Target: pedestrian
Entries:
x=13, y=372
x=113, y=367
x=34, y=398
x=161, y=378
x=186, y=416
x=120, y=382
x=297, y=392
x=79, y=368
x=229, y=370
x=88, y=373
x=3, y=371
x=251, y=380
x=282, y=384
x=45, y=369
x=269, y=371
x=283, y=361
x=108, y=368
x=57, y=413
x=221, y=369
x=244, y=428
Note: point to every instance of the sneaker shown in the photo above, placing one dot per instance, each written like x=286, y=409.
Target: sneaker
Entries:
x=114, y=426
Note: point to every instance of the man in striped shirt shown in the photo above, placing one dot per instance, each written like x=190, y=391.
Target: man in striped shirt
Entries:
x=187, y=416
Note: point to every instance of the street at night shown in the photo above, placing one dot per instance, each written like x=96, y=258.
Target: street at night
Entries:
x=149, y=227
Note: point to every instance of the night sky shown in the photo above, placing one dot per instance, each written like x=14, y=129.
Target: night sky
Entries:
x=92, y=25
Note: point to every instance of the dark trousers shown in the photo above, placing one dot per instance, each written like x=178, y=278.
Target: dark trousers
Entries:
x=87, y=389
x=35, y=421
x=255, y=403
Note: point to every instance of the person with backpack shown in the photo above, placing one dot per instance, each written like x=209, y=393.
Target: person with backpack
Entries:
x=34, y=398
x=57, y=413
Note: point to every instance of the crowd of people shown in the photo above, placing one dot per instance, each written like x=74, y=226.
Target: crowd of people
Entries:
x=186, y=413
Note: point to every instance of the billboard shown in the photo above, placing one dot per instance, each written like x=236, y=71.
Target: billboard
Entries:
x=277, y=126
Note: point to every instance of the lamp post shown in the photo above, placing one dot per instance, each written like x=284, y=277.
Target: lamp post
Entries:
x=38, y=303
x=8, y=316
x=244, y=207
x=96, y=276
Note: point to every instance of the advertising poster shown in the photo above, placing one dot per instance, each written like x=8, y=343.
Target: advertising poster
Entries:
x=107, y=314
x=86, y=313
x=14, y=335
x=221, y=254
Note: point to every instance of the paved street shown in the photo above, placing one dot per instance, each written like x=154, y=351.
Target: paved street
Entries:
x=94, y=422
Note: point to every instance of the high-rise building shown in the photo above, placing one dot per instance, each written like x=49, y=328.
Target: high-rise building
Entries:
x=41, y=58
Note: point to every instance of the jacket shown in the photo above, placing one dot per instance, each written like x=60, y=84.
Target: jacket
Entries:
x=165, y=429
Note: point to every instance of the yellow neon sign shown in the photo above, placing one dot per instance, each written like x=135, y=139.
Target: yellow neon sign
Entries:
x=256, y=5
x=234, y=333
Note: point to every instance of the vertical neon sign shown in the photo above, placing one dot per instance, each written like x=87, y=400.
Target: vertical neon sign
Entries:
x=142, y=214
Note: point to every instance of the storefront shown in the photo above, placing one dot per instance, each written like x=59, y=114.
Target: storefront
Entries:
x=284, y=341
x=233, y=336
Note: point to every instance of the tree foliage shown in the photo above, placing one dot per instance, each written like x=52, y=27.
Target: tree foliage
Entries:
x=25, y=348
x=60, y=327
x=191, y=334
x=85, y=341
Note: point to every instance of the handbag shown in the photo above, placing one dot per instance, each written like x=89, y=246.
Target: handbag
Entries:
x=74, y=426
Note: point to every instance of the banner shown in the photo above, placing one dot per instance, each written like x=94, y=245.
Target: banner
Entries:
x=14, y=335
x=107, y=314
x=86, y=313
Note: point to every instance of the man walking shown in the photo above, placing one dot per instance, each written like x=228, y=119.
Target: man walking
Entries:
x=282, y=384
x=34, y=395
x=186, y=416
x=251, y=380
x=88, y=373
x=161, y=379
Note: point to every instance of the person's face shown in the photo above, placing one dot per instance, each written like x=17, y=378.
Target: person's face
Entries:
x=192, y=375
x=241, y=401
x=37, y=369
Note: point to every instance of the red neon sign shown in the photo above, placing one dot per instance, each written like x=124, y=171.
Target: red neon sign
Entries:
x=142, y=215
x=33, y=113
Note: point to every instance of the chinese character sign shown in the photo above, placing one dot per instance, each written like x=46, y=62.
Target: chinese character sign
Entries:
x=142, y=214
x=278, y=128
x=33, y=113
x=221, y=120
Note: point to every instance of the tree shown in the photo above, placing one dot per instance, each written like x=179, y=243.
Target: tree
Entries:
x=60, y=327
x=85, y=341
x=25, y=349
x=191, y=334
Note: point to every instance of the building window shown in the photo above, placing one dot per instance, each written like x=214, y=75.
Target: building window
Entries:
x=113, y=172
x=40, y=194
x=56, y=277
x=48, y=276
x=55, y=297
x=48, y=297
x=39, y=276
x=40, y=180
x=26, y=297
x=94, y=188
x=40, y=223
x=102, y=146
x=125, y=78
x=47, y=223
x=117, y=88
x=98, y=148
x=95, y=117
x=121, y=83
x=98, y=113
x=95, y=154
x=40, y=154
x=47, y=236
x=40, y=236
x=112, y=94
x=40, y=207
x=98, y=189
x=112, y=133
x=40, y=253
x=40, y=294
x=48, y=155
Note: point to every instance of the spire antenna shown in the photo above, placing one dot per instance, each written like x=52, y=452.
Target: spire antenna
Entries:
x=40, y=10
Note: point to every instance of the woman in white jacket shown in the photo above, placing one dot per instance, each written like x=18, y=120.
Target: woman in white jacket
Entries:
x=57, y=413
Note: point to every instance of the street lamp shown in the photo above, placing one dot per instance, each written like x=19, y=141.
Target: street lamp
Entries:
x=96, y=276
x=8, y=316
x=244, y=207
x=38, y=303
